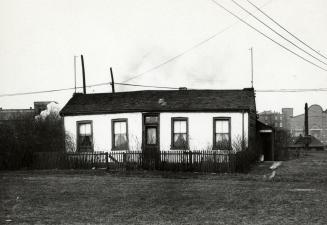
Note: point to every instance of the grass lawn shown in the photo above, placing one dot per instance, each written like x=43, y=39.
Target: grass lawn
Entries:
x=297, y=195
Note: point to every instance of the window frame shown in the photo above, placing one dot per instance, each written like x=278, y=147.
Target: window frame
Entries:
x=172, y=146
x=214, y=144
x=113, y=121
x=81, y=122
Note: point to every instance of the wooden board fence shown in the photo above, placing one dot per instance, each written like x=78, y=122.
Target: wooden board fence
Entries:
x=197, y=161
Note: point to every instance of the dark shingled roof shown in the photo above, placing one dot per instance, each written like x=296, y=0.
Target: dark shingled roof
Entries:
x=314, y=142
x=161, y=101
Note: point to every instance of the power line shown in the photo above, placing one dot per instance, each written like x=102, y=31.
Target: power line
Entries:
x=221, y=6
x=153, y=86
x=179, y=55
x=187, y=50
x=286, y=30
x=49, y=91
x=292, y=90
x=140, y=85
x=308, y=53
x=88, y=86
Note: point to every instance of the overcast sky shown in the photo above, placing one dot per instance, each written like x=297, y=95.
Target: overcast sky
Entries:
x=39, y=38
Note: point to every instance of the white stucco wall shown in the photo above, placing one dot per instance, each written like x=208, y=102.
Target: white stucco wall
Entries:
x=102, y=129
x=200, y=128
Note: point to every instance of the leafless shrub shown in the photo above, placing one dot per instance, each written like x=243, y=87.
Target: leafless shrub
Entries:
x=70, y=145
x=239, y=143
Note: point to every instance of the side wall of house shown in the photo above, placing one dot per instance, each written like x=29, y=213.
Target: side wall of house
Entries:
x=200, y=126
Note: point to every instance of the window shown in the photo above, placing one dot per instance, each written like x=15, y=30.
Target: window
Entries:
x=281, y=124
x=221, y=133
x=179, y=133
x=151, y=119
x=119, y=134
x=84, y=136
x=151, y=138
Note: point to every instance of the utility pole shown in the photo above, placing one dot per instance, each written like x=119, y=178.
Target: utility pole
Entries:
x=251, y=50
x=75, y=71
x=112, y=81
x=83, y=73
x=306, y=127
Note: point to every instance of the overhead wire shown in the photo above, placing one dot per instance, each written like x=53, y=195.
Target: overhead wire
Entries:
x=183, y=53
x=286, y=30
x=159, y=87
x=140, y=85
x=273, y=30
x=49, y=91
x=260, y=32
x=187, y=50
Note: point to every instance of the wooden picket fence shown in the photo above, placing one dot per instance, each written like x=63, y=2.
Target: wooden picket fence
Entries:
x=195, y=161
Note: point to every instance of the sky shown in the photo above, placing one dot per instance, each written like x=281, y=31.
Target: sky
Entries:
x=39, y=39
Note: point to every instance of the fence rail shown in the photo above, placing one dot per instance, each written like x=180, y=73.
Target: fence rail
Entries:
x=196, y=161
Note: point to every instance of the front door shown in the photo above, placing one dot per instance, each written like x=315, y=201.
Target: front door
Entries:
x=151, y=150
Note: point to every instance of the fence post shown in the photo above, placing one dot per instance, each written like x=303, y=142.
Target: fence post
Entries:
x=190, y=161
x=107, y=161
x=124, y=160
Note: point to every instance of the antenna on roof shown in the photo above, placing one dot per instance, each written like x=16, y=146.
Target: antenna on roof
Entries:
x=83, y=73
x=251, y=50
x=112, y=83
x=75, y=71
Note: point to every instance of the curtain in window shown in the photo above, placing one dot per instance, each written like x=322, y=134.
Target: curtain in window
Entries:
x=180, y=134
x=222, y=134
x=85, y=137
x=120, y=135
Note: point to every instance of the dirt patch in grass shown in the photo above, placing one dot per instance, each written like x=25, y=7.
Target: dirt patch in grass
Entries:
x=98, y=197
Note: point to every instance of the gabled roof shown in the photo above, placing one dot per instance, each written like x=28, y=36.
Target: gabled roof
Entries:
x=161, y=101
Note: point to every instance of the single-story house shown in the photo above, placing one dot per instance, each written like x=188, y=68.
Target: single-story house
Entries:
x=162, y=120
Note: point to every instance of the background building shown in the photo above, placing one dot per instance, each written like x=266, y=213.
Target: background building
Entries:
x=317, y=121
x=9, y=116
x=273, y=119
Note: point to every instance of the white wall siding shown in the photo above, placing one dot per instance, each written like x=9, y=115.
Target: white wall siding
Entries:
x=200, y=128
x=102, y=129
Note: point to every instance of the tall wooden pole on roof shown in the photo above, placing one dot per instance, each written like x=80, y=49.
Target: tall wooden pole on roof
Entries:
x=83, y=73
x=112, y=81
x=75, y=71
x=251, y=49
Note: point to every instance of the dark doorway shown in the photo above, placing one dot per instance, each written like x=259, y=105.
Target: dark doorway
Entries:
x=151, y=140
x=267, y=141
